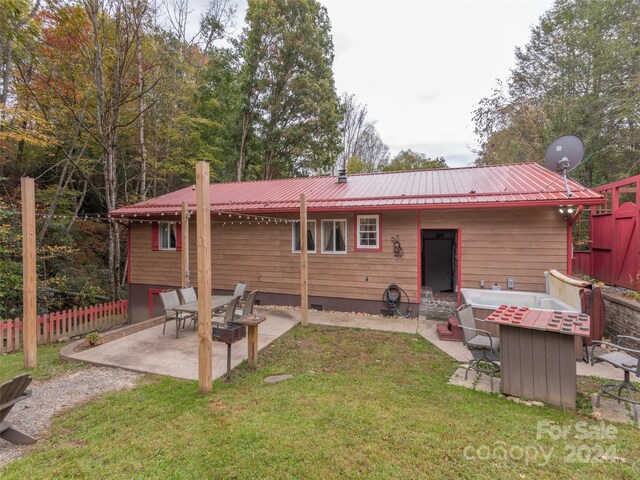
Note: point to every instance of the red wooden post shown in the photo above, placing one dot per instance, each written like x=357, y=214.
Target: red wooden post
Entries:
x=17, y=334
x=16, y=331
x=9, y=327
x=45, y=328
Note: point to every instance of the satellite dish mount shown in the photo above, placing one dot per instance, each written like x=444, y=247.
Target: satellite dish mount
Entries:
x=563, y=155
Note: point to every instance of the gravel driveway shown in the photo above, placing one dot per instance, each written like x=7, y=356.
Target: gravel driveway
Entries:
x=50, y=397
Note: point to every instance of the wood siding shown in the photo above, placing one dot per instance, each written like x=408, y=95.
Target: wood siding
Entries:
x=496, y=244
x=506, y=243
x=262, y=256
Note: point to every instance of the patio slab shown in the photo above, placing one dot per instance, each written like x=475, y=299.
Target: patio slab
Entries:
x=612, y=411
x=475, y=380
x=149, y=351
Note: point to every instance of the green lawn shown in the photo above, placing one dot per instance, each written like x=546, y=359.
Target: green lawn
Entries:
x=49, y=364
x=362, y=404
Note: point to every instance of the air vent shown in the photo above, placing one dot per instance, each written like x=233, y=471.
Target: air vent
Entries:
x=342, y=176
x=316, y=306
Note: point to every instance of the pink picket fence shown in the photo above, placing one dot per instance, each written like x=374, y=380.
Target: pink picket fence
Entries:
x=68, y=323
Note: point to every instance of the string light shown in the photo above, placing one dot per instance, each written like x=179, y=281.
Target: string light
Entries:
x=121, y=218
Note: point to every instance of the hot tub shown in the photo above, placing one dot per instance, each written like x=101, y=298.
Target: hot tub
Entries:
x=484, y=302
x=480, y=298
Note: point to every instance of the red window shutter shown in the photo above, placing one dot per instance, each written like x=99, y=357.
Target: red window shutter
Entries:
x=154, y=236
x=179, y=237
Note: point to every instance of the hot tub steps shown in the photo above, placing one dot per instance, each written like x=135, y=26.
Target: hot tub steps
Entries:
x=450, y=331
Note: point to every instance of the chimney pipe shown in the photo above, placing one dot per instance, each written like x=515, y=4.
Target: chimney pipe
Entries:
x=342, y=176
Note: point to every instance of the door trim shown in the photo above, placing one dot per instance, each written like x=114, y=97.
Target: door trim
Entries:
x=458, y=244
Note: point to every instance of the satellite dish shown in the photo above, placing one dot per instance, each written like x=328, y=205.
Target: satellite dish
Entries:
x=563, y=155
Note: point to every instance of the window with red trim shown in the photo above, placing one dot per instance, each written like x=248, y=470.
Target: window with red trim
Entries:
x=368, y=232
x=167, y=236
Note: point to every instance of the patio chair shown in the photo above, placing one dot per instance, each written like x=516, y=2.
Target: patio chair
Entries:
x=188, y=295
x=623, y=358
x=238, y=292
x=249, y=303
x=478, y=339
x=169, y=300
x=240, y=288
x=229, y=314
x=12, y=392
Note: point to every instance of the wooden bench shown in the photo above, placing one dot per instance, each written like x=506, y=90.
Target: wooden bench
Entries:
x=12, y=392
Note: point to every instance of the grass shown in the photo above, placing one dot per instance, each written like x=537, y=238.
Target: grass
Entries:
x=362, y=404
x=49, y=364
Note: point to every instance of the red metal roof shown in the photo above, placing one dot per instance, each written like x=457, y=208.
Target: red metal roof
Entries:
x=524, y=184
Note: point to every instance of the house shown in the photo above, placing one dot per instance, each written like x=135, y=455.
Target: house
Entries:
x=454, y=228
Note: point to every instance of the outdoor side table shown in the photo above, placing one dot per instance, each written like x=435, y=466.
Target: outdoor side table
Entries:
x=252, y=321
x=537, y=353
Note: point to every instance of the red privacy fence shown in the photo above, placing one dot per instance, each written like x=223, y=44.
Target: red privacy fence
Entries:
x=68, y=323
x=611, y=250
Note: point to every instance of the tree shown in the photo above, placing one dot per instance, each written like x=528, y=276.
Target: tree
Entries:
x=411, y=160
x=292, y=102
x=371, y=154
x=363, y=151
x=354, y=121
x=579, y=73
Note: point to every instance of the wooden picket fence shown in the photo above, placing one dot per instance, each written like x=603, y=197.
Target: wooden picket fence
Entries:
x=68, y=323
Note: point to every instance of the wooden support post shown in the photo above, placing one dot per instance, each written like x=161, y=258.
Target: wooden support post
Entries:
x=252, y=342
x=304, y=273
x=203, y=212
x=186, y=282
x=30, y=340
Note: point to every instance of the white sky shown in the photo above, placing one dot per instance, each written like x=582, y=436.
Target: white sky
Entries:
x=421, y=67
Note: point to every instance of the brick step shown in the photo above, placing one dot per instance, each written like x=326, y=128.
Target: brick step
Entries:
x=449, y=331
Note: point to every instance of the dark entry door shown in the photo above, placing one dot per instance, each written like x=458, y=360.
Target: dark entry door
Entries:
x=438, y=260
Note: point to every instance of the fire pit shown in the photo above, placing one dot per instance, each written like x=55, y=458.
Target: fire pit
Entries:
x=229, y=334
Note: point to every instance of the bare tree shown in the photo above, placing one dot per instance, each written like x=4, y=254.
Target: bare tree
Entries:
x=219, y=17
x=370, y=150
x=353, y=124
x=362, y=148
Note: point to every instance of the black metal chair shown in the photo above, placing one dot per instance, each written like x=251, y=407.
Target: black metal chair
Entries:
x=478, y=339
x=12, y=392
x=621, y=357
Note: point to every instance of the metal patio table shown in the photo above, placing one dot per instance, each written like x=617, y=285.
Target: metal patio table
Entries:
x=217, y=301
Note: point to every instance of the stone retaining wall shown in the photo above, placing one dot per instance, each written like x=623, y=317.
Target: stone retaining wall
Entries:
x=622, y=316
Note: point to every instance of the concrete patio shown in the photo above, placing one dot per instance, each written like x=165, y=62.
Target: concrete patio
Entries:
x=149, y=351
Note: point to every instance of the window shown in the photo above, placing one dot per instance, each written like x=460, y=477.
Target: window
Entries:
x=311, y=236
x=368, y=234
x=167, y=235
x=334, y=236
